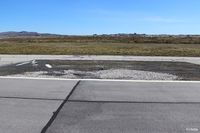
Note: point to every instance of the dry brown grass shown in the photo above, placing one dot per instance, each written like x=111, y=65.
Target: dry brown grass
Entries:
x=99, y=48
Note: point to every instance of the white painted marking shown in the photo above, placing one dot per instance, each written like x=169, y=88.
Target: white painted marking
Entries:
x=104, y=80
x=192, y=129
x=34, y=63
x=48, y=66
x=24, y=63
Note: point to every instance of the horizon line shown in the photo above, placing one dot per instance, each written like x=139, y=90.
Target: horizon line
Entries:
x=98, y=34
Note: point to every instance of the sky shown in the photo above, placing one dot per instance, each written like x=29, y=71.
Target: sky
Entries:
x=85, y=17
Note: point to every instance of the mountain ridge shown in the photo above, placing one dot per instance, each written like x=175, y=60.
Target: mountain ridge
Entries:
x=25, y=34
x=11, y=34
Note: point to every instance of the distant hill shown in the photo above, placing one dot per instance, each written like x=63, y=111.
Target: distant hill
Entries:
x=36, y=37
x=13, y=34
x=25, y=34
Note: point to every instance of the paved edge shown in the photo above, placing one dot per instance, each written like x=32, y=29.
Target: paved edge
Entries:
x=6, y=59
x=58, y=110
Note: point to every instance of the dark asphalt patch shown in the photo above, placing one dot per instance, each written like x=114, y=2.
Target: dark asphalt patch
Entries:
x=185, y=71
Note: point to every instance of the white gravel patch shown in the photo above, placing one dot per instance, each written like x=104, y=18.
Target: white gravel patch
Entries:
x=32, y=74
x=134, y=74
x=102, y=74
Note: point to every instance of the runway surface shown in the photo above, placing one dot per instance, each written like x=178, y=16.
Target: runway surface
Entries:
x=27, y=105
x=92, y=106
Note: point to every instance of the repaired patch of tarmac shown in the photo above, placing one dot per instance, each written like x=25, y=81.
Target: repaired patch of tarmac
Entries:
x=83, y=69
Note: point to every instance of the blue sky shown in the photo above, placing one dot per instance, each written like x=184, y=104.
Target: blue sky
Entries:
x=101, y=16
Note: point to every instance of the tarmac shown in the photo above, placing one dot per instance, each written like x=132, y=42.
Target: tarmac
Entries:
x=31, y=105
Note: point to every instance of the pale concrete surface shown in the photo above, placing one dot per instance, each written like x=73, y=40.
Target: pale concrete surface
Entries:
x=26, y=105
x=100, y=106
x=10, y=59
x=130, y=107
x=25, y=116
x=137, y=91
x=29, y=88
x=93, y=117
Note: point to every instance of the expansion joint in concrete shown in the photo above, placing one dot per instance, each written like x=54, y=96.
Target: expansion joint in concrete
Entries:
x=142, y=102
x=26, y=98
x=59, y=109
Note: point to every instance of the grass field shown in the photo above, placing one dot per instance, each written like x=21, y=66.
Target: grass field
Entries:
x=98, y=48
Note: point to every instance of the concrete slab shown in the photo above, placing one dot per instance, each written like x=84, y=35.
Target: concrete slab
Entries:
x=137, y=91
x=30, y=88
x=94, y=117
x=25, y=116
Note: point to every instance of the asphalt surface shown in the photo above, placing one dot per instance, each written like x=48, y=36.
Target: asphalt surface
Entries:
x=98, y=106
x=133, y=70
x=101, y=67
